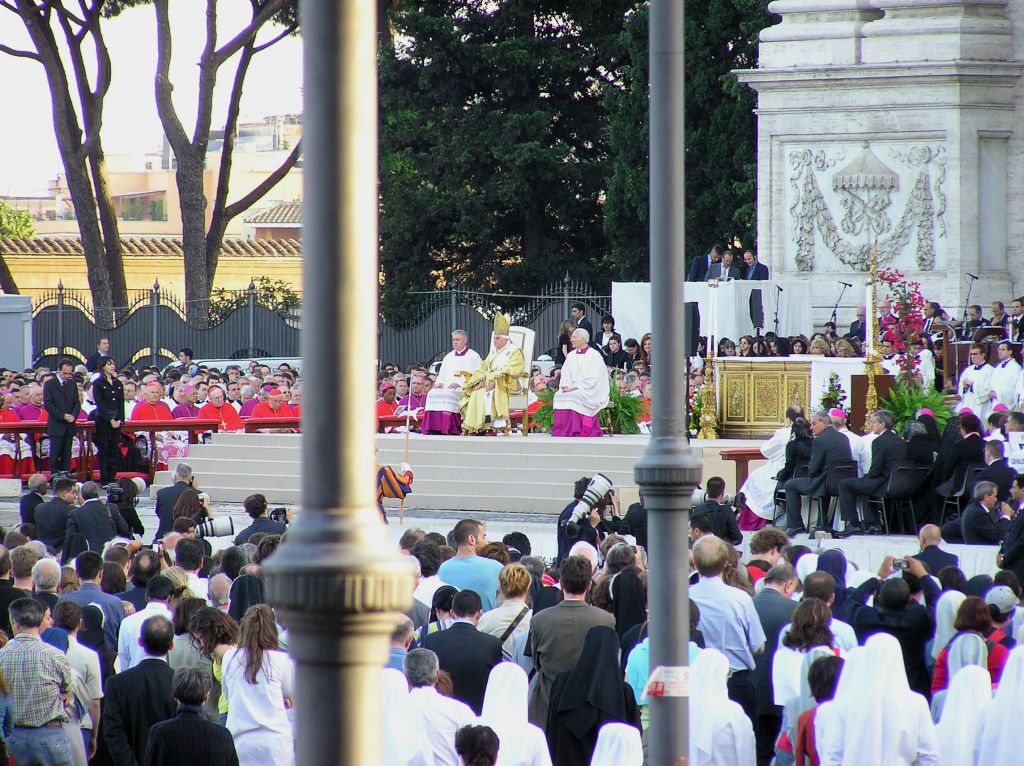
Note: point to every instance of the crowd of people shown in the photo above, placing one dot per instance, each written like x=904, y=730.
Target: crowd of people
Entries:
x=137, y=655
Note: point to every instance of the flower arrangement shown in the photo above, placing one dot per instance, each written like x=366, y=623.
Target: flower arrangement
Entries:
x=907, y=322
x=833, y=396
x=696, y=408
x=620, y=416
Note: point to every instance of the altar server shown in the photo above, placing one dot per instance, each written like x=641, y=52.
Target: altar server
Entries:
x=582, y=391
x=975, y=384
x=485, y=393
x=1005, y=378
x=441, y=413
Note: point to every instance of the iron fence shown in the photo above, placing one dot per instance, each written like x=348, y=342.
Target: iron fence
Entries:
x=153, y=327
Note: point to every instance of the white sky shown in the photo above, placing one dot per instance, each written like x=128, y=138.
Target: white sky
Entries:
x=28, y=149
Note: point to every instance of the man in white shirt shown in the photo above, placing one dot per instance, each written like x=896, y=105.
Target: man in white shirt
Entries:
x=428, y=554
x=975, y=384
x=158, y=592
x=188, y=554
x=1005, y=378
x=440, y=717
x=728, y=621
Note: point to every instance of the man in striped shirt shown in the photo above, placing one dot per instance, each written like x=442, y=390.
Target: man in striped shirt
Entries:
x=38, y=677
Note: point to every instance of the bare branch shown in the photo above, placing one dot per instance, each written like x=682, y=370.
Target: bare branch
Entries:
x=207, y=80
x=247, y=35
x=220, y=199
x=265, y=185
x=176, y=135
x=67, y=16
x=276, y=39
x=8, y=6
x=20, y=54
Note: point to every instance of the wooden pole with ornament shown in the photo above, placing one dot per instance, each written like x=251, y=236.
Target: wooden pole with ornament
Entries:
x=709, y=400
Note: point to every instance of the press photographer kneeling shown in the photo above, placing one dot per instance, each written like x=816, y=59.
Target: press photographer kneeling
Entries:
x=256, y=507
x=585, y=520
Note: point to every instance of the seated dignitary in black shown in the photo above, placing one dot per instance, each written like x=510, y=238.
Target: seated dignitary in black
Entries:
x=984, y=521
x=887, y=449
x=829, y=446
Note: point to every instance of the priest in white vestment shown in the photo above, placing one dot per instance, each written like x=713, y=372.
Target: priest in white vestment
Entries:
x=441, y=412
x=1004, y=379
x=975, y=384
x=759, y=488
x=582, y=390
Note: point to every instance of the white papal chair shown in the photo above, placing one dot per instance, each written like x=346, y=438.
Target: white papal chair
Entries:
x=522, y=338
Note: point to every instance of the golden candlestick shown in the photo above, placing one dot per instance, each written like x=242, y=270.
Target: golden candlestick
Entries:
x=873, y=356
x=709, y=401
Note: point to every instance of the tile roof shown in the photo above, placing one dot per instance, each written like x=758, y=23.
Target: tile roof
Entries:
x=289, y=213
x=152, y=247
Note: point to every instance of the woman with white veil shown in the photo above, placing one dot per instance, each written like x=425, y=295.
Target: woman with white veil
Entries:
x=969, y=692
x=945, y=617
x=878, y=719
x=998, y=738
x=969, y=649
x=505, y=711
x=404, y=743
x=618, y=744
x=720, y=732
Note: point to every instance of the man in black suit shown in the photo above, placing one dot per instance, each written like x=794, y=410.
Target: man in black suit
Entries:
x=999, y=315
x=1011, y=554
x=97, y=521
x=725, y=269
x=145, y=566
x=190, y=738
x=141, y=697
x=464, y=652
x=985, y=520
x=975, y=321
x=30, y=500
x=1016, y=327
x=578, y=312
x=931, y=555
x=168, y=496
x=8, y=593
x=722, y=516
x=887, y=449
x=60, y=400
x=774, y=606
x=857, y=327
x=829, y=446
x=998, y=470
x=52, y=516
x=956, y=458
x=699, y=266
x=753, y=270
x=92, y=363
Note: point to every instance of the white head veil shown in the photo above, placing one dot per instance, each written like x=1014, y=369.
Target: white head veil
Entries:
x=945, y=616
x=999, y=730
x=405, y=744
x=708, y=676
x=968, y=649
x=806, y=564
x=618, y=744
x=875, y=709
x=969, y=693
x=505, y=711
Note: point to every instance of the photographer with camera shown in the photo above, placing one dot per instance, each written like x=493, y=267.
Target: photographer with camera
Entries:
x=584, y=520
x=97, y=521
x=256, y=507
x=720, y=509
x=167, y=498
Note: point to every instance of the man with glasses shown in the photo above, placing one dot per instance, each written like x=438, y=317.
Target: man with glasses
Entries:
x=975, y=384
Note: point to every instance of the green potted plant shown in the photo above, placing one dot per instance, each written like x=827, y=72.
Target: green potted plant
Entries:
x=905, y=399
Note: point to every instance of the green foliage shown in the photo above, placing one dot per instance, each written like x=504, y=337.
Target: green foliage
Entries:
x=274, y=294
x=15, y=223
x=621, y=417
x=905, y=400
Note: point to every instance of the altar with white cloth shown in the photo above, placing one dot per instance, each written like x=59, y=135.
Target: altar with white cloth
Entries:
x=631, y=305
x=754, y=392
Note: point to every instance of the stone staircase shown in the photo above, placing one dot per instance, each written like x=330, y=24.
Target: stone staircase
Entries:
x=472, y=473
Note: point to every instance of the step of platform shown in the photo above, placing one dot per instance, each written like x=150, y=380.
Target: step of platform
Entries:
x=500, y=474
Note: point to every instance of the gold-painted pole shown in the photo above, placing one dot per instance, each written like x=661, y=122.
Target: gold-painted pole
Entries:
x=335, y=583
x=873, y=356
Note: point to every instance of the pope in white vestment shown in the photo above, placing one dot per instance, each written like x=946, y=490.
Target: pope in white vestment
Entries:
x=974, y=386
x=1004, y=379
x=760, y=485
x=441, y=412
x=582, y=390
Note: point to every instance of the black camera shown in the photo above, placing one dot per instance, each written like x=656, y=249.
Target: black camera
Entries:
x=279, y=514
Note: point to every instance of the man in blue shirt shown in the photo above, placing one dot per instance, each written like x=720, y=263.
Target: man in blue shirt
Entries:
x=467, y=570
x=89, y=568
x=401, y=639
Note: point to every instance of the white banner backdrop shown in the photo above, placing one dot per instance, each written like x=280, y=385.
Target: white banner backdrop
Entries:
x=631, y=306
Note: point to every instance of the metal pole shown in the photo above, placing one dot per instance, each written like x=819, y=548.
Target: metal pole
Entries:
x=155, y=303
x=565, y=296
x=453, y=307
x=668, y=470
x=60, y=317
x=336, y=583
x=252, y=318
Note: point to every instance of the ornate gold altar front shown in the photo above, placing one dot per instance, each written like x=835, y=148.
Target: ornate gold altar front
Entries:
x=753, y=396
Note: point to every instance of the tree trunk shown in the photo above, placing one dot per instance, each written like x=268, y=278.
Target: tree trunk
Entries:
x=193, y=237
x=98, y=273
x=7, y=283
x=108, y=225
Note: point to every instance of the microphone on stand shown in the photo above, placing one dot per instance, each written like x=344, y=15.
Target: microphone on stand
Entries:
x=972, y=276
x=845, y=284
x=779, y=288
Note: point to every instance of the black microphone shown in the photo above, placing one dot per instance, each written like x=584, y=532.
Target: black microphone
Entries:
x=972, y=276
x=779, y=288
x=846, y=284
